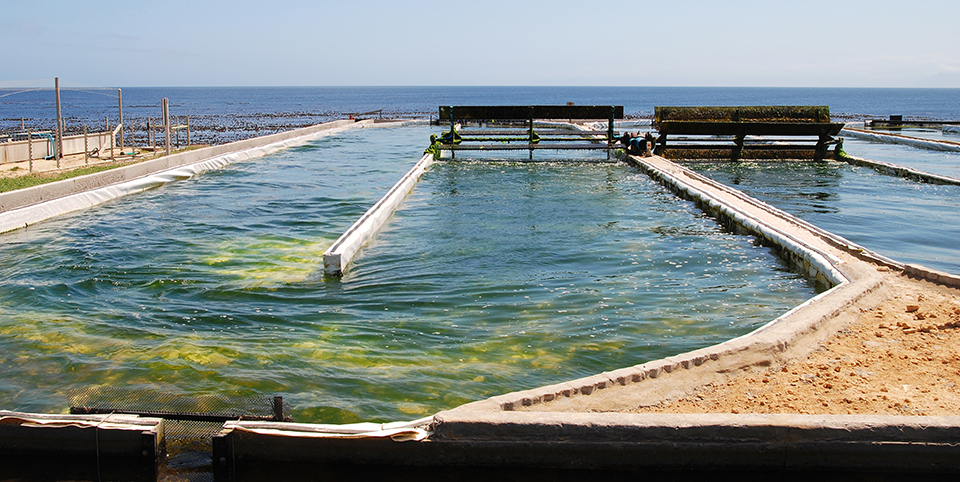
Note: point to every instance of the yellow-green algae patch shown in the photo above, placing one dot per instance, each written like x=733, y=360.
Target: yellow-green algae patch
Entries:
x=266, y=260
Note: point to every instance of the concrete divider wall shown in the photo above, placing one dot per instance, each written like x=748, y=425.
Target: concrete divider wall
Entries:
x=901, y=139
x=247, y=148
x=894, y=169
x=901, y=171
x=816, y=264
x=336, y=259
x=932, y=275
x=18, y=151
x=95, y=140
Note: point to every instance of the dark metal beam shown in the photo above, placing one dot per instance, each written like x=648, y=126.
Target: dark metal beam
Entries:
x=749, y=128
x=517, y=112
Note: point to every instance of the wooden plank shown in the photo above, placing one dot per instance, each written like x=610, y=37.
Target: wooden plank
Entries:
x=516, y=112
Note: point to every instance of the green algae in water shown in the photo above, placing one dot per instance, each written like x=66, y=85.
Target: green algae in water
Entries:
x=492, y=277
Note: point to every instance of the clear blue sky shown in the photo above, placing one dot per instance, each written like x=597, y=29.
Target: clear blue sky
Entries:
x=812, y=43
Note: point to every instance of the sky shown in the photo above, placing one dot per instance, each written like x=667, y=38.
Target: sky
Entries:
x=809, y=43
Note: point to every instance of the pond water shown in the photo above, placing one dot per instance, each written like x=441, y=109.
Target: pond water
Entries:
x=491, y=277
x=945, y=163
x=906, y=220
x=931, y=133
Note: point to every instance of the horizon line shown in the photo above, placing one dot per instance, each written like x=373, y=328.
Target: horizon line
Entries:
x=89, y=87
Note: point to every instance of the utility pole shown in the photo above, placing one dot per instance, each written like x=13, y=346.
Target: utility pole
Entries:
x=120, y=106
x=59, y=146
x=166, y=123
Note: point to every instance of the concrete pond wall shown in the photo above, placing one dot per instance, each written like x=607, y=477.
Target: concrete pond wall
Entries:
x=42, y=144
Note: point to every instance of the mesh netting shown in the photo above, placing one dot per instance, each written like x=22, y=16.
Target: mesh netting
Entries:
x=107, y=398
x=190, y=422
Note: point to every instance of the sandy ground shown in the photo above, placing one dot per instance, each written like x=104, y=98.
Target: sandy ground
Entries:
x=899, y=358
x=76, y=161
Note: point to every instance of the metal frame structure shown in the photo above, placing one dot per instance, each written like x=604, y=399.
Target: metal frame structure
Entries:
x=515, y=128
x=724, y=131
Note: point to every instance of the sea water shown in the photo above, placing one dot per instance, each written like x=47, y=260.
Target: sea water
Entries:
x=223, y=114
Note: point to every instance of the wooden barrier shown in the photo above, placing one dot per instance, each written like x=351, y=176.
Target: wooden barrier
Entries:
x=723, y=131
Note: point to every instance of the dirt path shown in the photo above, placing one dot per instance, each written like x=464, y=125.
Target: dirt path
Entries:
x=899, y=358
x=49, y=167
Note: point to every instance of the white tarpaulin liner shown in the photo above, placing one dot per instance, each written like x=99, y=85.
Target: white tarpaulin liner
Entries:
x=106, y=422
x=339, y=255
x=398, y=431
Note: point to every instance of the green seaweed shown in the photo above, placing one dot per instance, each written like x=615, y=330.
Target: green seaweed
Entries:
x=761, y=113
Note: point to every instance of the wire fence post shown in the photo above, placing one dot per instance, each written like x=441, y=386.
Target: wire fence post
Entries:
x=30, y=149
x=166, y=123
x=86, y=148
x=58, y=148
x=120, y=124
x=63, y=128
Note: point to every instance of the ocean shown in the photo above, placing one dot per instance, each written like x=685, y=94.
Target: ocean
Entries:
x=224, y=114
